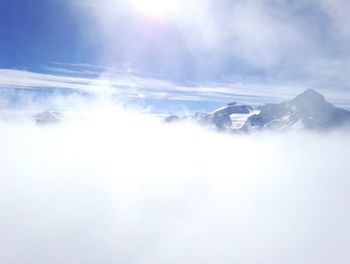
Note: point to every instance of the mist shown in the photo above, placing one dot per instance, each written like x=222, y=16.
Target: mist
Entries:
x=112, y=185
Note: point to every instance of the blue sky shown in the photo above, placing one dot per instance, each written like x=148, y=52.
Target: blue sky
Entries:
x=35, y=32
x=220, y=51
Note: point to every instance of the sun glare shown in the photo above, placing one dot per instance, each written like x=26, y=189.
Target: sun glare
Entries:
x=156, y=8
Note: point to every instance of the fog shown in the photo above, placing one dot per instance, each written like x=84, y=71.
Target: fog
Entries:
x=119, y=186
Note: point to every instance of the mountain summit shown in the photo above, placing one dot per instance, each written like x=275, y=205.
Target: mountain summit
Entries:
x=310, y=99
x=308, y=110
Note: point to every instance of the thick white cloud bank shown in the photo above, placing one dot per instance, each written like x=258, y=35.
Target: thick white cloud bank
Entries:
x=120, y=187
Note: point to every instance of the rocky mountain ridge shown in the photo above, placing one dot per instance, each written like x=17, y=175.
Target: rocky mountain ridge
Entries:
x=309, y=110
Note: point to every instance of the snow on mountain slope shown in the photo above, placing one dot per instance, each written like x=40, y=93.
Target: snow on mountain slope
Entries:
x=231, y=116
x=238, y=120
x=309, y=110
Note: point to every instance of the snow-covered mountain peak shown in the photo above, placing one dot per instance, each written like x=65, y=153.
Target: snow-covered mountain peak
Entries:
x=309, y=99
x=308, y=110
x=308, y=95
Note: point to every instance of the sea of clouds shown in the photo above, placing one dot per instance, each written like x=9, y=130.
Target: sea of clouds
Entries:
x=119, y=186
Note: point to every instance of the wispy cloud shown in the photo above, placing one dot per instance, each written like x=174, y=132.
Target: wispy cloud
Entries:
x=127, y=86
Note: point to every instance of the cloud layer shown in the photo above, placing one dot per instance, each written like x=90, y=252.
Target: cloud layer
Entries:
x=147, y=91
x=118, y=186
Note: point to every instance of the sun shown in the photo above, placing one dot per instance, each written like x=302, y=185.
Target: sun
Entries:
x=156, y=8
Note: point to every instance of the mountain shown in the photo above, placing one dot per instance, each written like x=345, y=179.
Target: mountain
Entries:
x=223, y=117
x=231, y=116
x=309, y=110
x=47, y=117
